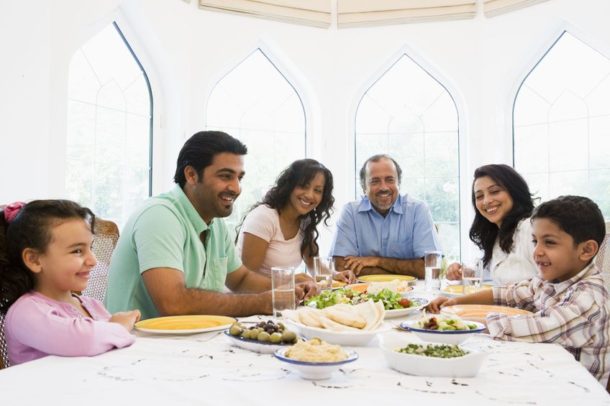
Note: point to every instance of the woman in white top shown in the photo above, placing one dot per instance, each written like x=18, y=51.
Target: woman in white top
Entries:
x=501, y=227
x=281, y=230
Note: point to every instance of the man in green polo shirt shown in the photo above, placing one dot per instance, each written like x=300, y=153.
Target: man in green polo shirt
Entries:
x=175, y=255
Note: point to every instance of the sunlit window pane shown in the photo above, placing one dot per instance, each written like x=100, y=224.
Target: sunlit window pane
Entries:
x=256, y=104
x=562, y=123
x=409, y=115
x=108, y=138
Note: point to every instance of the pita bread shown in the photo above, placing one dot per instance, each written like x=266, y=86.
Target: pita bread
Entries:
x=346, y=315
x=331, y=325
x=310, y=317
x=373, y=313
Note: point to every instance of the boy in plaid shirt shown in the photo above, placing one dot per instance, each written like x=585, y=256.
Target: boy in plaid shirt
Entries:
x=568, y=298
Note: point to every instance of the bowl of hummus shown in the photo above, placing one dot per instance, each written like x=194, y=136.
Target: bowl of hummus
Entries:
x=315, y=359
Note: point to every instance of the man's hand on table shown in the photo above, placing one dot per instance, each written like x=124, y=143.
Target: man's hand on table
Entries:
x=357, y=264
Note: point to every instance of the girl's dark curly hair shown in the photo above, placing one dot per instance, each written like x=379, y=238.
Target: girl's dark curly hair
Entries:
x=300, y=173
x=31, y=228
x=483, y=232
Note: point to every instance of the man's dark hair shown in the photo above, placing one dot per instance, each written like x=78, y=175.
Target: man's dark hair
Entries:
x=576, y=215
x=377, y=158
x=199, y=150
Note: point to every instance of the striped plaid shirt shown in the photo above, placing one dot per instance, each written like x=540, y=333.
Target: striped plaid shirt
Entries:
x=574, y=313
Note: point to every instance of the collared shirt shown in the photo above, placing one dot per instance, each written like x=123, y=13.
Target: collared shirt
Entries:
x=574, y=313
x=165, y=233
x=406, y=232
x=37, y=326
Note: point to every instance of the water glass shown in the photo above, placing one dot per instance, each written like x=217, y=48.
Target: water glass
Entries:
x=322, y=273
x=433, y=262
x=471, y=278
x=282, y=290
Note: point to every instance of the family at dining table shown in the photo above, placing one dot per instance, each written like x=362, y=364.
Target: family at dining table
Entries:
x=176, y=255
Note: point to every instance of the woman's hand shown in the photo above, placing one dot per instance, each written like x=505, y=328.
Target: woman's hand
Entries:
x=305, y=289
x=454, y=272
x=126, y=319
x=345, y=276
x=439, y=302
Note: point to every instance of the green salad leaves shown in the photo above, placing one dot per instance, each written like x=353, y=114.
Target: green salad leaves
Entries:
x=391, y=300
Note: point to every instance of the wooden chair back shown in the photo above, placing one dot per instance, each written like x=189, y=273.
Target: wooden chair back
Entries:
x=3, y=348
x=106, y=235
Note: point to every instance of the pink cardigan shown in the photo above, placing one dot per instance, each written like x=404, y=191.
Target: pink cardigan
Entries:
x=37, y=326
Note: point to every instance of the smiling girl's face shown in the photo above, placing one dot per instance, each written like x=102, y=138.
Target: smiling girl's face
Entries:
x=67, y=261
x=492, y=200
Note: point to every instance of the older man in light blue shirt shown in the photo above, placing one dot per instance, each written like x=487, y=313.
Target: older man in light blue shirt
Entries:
x=383, y=232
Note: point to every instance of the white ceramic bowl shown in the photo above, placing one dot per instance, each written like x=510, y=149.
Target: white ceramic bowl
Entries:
x=459, y=367
x=444, y=337
x=314, y=370
x=349, y=338
x=254, y=345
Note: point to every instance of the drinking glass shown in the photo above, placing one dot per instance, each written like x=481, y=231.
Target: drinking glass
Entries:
x=322, y=273
x=282, y=290
x=433, y=263
x=471, y=278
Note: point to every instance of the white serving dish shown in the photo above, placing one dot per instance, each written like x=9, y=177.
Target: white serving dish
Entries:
x=349, y=338
x=314, y=370
x=459, y=367
x=254, y=345
x=444, y=337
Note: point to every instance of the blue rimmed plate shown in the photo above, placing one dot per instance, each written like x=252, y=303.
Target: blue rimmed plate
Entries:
x=442, y=336
x=419, y=303
x=314, y=370
x=254, y=345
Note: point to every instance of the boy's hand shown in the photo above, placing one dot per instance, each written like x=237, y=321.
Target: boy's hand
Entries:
x=440, y=302
x=126, y=319
x=454, y=272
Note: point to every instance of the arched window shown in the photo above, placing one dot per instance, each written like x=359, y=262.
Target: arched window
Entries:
x=409, y=115
x=109, y=149
x=255, y=103
x=561, y=123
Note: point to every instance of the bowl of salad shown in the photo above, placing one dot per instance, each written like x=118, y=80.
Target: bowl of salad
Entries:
x=394, y=303
x=431, y=359
x=446, y=330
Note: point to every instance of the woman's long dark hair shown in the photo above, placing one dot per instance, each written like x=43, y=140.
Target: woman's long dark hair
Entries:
x=31, y=228
x=300, y=173
x=483, y=232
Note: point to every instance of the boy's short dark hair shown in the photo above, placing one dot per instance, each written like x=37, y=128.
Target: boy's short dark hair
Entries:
x=199, y=150
x=576, y=215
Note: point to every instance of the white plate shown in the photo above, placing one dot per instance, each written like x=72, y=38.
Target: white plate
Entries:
x=190, y=324
x=438, y=336
x=254, y=345
x=422, y=302
x=314, y=370
x=459, y=367
x=349, y=338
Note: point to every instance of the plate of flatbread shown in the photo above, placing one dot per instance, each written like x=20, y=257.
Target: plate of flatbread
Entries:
x=343, y=324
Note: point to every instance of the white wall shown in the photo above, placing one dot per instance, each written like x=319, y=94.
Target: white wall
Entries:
x=186, y=50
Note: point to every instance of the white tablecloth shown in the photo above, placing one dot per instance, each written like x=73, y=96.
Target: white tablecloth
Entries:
x=206, y=369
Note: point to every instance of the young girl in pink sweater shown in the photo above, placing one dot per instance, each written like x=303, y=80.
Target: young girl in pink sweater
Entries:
x=45, y=255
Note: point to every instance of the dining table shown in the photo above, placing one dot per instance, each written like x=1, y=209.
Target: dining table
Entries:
x=207, y=369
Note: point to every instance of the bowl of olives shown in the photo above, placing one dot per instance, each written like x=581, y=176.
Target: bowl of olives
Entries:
x=265, y=337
